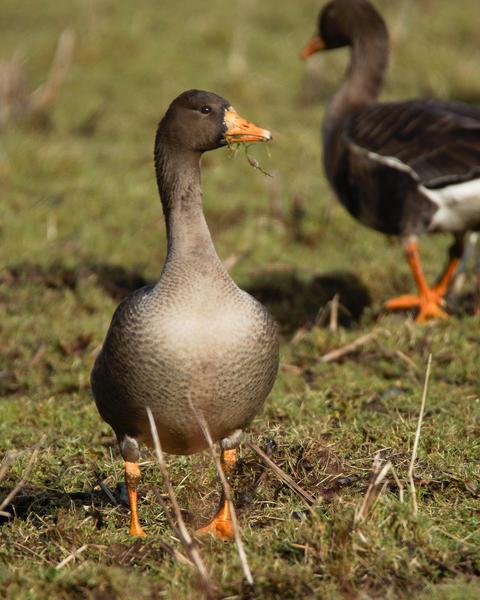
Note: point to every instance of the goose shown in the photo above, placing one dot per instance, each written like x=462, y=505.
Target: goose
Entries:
x=193, y=343
x=404, y=168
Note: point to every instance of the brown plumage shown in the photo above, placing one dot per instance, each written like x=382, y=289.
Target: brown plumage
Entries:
x=404, y=168
x=194, y=337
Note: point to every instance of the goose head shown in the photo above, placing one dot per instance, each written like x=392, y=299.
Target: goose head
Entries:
x=341, y=22
x=199, y=121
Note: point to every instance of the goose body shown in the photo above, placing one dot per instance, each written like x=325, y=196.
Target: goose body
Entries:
x=404, y=168
x=409, y=168
x=194, y=345
x=194, y=337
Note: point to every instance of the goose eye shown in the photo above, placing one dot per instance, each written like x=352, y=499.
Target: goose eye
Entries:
x=206, y=109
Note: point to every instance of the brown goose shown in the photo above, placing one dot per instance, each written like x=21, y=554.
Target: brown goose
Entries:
x=194, y=337
x=403, y=168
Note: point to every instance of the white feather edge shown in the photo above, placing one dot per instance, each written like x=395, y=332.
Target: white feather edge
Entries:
x=458, y=203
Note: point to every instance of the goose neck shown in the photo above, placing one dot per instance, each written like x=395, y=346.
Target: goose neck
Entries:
x=178, y=179
x=364, y=78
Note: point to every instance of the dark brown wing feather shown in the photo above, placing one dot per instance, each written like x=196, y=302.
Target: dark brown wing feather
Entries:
x=439, y=140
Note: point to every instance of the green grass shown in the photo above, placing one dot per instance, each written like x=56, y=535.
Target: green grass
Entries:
x=92, y=188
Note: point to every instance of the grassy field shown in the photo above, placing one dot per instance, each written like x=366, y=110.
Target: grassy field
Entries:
x=81, y=226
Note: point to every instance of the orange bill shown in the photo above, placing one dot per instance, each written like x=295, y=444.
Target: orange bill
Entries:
x=241, y=130
x=315, y=44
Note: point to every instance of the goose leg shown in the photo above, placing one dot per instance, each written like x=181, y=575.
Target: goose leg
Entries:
x=468, y=253
x=221, y=524
x=428, y=299
x=455, y=255
x=130, y=453
x=132, y=477
x=442, y=286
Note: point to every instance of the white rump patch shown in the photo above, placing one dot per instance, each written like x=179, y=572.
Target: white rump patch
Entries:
x=458, y=206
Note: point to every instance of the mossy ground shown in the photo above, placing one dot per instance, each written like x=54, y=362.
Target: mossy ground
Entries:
x=81, y=226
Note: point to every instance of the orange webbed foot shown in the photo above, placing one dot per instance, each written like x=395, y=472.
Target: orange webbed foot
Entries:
x=430, y=310
x=222, y=529
x=428, y=305
x=403, y=302
x=137, y=531
x=429, y=299
x=221, y=525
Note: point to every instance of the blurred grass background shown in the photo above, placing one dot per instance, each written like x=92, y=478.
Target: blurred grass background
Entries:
x=81, y=225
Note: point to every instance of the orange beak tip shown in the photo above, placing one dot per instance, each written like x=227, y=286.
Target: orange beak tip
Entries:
x=314, y=45
x=268, y=137
x=240, y=130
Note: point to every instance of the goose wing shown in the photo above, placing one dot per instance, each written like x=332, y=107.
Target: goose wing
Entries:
x=439, y=141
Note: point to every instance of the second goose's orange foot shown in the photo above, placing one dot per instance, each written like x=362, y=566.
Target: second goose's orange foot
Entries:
x=429, y=305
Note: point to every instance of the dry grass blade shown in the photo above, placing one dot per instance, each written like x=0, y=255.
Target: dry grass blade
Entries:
x=417, y=436
x=333, y=325
x=7, y=461
x=30, y=551
x=407, y=360
x=182, y=558
x=348, y=348
x=237, y=56
x=330, y=311
x=10, y=458
x=71, y=557
x=374, y=491
x=228, y=495
x=398, y=354
x=46, y=94
x=282, y=475
x=13, y=94
x=23, y=481
x=15, y=101
x=398, y=482
x=182, y=530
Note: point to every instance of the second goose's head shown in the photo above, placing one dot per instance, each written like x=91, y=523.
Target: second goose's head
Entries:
x=342, y=22
x=198, y=121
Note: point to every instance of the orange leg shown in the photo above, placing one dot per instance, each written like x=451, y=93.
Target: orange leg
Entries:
x=221, y=524
x=132, y=477
x=428, y=299
x=442, y=286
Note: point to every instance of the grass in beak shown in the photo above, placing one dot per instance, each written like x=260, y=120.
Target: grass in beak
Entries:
x=253, y=162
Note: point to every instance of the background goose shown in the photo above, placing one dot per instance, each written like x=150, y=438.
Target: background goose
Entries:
x=403, y=168
x=194, y=337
